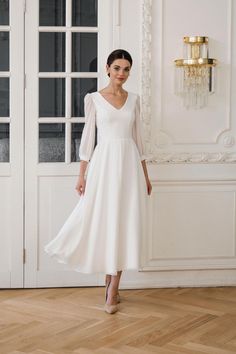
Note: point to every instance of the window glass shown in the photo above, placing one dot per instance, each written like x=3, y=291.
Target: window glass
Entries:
x=4, y=51
x=4, y=13
x=51, y=142
x=52, y=12
x=84, y=52
x=51, y=97
x=84, y=13
x=4, y=142
x=76, y=134
x=51, y=51
x=4, y=97
x=80, y=87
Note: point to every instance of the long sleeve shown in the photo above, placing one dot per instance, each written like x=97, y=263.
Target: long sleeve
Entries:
x=137, y=131
x=88, y=135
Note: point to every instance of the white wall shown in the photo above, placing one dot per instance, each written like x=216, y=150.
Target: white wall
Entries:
x=192, y=235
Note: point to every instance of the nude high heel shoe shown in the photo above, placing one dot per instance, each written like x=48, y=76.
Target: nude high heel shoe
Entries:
x=109, y=308
x=117, y=296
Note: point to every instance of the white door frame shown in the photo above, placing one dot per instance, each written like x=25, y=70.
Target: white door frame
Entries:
x=12, y=173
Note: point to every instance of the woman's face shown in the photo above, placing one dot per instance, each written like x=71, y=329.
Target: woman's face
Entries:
x=119, y=71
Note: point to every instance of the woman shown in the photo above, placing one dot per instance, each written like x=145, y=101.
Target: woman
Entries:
x=104, y=231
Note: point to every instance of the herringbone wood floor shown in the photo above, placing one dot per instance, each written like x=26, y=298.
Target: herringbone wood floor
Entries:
x=162, y=321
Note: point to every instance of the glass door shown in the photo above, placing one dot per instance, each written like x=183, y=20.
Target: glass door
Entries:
x=66, y=47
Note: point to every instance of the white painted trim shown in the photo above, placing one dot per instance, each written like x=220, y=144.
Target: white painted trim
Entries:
x=157, y=279
x=17, y=141
x=13, y=172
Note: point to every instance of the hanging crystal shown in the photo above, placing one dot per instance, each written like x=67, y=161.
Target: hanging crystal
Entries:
x=194, y=75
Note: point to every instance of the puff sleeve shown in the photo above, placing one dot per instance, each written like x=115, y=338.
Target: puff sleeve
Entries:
x=88, y=135
x=137, y=131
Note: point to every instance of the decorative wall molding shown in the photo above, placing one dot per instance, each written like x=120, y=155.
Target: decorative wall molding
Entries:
x=228, y=141
x=198, y=157
x=153, y=144
x=146, y=73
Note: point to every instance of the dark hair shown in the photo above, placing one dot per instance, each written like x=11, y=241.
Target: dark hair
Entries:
x=119, y=54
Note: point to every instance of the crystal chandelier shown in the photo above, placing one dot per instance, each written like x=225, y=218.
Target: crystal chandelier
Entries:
x=194, y=75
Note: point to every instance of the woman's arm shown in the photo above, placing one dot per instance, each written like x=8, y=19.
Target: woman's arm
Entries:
x=138, y=138
x=87, y=141
x=81, y=182
x=83, y=166
x=149, y=186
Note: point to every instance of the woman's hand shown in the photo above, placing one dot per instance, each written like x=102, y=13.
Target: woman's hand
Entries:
x=149, y=186
x=80, y=186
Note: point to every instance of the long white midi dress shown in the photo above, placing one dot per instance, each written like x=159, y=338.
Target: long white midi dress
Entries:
x=104, y=231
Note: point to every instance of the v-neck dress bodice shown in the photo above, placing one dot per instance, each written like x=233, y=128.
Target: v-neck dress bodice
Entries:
x=112, y=123
x=105, y=229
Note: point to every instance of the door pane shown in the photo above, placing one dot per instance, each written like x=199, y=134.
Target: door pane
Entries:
x=52, y=97
x=84, y=13
x=52, y=12
x=51, y=142
x=79, y=89
x=4, y=142
x=4, y=97
x=4, y=50
x=84, y=52
x=51, y=51
x=4, y=12
x=76, y=133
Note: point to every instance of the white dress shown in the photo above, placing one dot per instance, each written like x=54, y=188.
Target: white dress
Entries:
x=104, y=231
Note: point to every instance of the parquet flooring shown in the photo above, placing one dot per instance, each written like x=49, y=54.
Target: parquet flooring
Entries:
x=161, y=321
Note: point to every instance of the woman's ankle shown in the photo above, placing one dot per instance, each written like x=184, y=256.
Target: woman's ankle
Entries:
x=112, y=295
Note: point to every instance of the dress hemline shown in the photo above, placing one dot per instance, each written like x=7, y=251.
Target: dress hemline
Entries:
x=85, y=270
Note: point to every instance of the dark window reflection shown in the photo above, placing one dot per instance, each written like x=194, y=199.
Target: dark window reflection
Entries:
x=52, y=12
x=51, y=51
x=76, y=134
x=84, y=52
x=51, y=97
x=79, y=89
x=51, y=142
x=84, y=13
x=4, y=97
x=4, y=12
x=4, y=51
x=4, y=142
